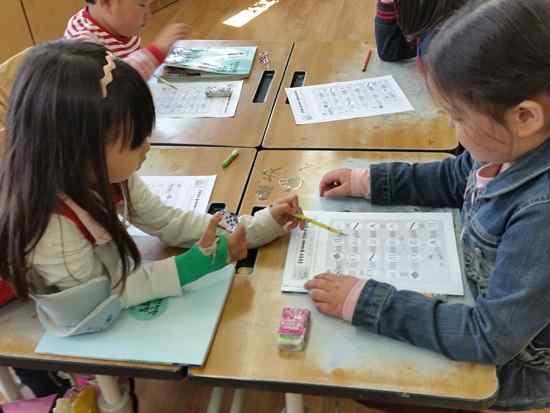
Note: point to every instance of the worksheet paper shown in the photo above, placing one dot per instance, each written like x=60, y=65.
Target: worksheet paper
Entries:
x=347, y=100
x=188, y=99
x=190, y=193
x=413, y=251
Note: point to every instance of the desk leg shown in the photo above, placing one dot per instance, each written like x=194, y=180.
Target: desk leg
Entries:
x=215, y=403
x=9, y=387
x=113, y=399
x=237, y=403
x=294, y=403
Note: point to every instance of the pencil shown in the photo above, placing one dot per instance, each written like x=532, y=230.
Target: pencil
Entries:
x=319, y=224
x=367, y=59
x=166, y=82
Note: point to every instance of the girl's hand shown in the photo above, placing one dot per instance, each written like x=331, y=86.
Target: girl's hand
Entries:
x=283, y=211
x=329, y=292
x=236, y=242
x=336, y=183
x=171, y=33
x=209, y=235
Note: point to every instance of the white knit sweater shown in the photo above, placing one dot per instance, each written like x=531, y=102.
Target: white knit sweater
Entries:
x=64, y=258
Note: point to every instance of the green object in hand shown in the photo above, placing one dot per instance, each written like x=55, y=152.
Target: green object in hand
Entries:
x=193, y=264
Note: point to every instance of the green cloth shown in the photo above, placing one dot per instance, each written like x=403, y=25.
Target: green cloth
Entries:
x=193, y=264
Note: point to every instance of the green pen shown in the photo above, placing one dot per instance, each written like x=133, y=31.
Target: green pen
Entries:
x=166, y=82
x=227, y=161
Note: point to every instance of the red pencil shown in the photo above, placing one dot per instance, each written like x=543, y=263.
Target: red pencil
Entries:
x=367, y=59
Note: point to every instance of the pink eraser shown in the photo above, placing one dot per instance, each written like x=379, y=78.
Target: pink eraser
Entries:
x=294, y=321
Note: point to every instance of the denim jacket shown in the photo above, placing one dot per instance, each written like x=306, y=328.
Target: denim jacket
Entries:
x=506, y=245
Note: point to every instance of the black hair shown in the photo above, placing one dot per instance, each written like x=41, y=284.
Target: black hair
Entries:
x=58, y=125
x=493, y=54
x=416, y=17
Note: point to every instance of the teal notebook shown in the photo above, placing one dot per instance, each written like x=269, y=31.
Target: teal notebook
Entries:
x=210, y=62
x=175, y=330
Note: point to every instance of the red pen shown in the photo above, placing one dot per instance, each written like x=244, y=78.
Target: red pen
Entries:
x=367, y=59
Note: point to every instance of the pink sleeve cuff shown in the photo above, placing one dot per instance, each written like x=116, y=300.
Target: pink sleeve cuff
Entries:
x=351, y=300
x=156, y=52
x=360, y=182
x=386, y=10
x=143, y=61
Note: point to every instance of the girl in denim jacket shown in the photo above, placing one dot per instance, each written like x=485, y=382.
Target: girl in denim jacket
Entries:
x=498, y=97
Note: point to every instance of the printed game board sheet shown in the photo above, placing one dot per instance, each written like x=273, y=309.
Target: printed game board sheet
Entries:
x=175, y=330
x=347, y=100
x=188, y=99
x=183, y=192
x=413, y=251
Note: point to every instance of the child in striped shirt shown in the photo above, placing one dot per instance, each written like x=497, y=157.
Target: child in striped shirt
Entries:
x=116, y=24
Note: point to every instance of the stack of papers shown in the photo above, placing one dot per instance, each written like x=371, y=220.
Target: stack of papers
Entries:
x=209, y=62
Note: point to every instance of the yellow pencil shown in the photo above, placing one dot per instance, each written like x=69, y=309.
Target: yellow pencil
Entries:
x=319, y=224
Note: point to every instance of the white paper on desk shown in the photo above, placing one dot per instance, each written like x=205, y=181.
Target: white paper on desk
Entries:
x=347, y=100
x=182, y=334
x=412, y=251
x=189, y=99
x=190, y=193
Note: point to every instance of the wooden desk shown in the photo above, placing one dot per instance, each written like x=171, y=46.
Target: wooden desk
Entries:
x=340, y=359
x=228, y=190
x=16, y=34
x=427, y=128
x=279, y=19
x=247, y=128
x=230, y=182
x=21, y=329
x=48, y=20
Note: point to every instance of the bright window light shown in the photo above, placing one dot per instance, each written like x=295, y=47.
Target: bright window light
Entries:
x=244, y=16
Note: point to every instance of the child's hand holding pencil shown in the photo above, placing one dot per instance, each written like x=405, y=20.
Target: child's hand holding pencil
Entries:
x=285, y=210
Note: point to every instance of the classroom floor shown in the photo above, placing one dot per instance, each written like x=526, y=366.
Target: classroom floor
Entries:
x=188, y=397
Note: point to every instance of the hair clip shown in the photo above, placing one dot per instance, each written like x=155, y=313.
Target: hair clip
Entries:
x=107, y=73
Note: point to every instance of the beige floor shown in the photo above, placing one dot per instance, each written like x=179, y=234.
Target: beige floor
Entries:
x=189, y=397
x=284, y=20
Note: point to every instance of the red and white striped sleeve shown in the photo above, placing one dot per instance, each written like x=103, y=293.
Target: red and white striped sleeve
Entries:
x=144, y=61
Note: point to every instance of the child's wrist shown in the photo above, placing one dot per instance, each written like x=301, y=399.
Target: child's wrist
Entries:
x=360, y=182
x=157, y=52
x=348, y=309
